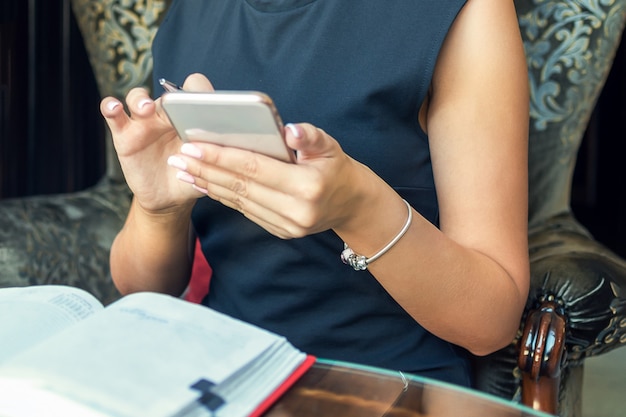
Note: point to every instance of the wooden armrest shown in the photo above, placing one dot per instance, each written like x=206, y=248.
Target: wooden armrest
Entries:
x=541, y=355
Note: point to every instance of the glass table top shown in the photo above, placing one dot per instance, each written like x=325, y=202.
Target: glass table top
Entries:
x=341, y=389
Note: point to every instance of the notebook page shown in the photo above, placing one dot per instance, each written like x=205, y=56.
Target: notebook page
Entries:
x=141, y=354
x=31, y=314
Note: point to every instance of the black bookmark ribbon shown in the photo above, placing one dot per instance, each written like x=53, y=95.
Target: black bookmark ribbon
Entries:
x=210, y=400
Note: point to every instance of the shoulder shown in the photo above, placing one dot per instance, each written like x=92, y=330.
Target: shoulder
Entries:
x=484, y=44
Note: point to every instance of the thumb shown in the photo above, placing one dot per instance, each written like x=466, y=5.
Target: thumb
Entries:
x=309, y=141
x=198, y=83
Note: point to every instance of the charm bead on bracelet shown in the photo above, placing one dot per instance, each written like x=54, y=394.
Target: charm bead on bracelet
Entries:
x=360, y=262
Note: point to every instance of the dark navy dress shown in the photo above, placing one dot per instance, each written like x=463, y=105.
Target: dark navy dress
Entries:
x=359, y=69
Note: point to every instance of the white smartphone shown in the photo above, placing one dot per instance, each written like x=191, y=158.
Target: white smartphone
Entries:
x=241, y=119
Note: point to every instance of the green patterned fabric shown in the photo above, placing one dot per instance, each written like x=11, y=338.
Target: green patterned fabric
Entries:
x=570, y=46
x=118, y=36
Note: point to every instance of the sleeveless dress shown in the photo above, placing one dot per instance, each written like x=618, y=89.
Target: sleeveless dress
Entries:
x=359, y=69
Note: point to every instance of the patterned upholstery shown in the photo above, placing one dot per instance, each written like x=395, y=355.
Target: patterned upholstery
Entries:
x=570, y=45
x=118, y=37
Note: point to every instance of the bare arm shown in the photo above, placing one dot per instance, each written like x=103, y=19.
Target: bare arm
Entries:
x=467, y=282
x=153, y=252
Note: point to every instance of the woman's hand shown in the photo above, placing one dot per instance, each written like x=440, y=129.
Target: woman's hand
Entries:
x=144, y=139
x=159, y=220
x=289, y=200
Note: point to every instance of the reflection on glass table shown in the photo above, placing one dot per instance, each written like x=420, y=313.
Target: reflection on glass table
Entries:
x=337, y=389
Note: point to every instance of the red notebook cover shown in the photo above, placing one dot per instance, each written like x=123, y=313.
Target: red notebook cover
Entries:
x=274, y=396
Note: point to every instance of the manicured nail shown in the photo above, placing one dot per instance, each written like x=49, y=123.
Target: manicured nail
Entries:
x=144, y=102
x=177, y=162
x=191, y=150
x=112, y=105
x=295, y=130
x=201, y=190
x=185, y=177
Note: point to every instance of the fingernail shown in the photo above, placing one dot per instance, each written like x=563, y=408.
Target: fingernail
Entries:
x=112, y=105
x=295, y=130
x=144, y=102
x=177, y=162
x=191, y=150
x=185, y=177
x=202, y=190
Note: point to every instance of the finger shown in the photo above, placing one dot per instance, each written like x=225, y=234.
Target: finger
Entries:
x=240, y=167
x=256, y=199
x=197, y=82
x=114, y=115
x=278, y=229
x=140, y=104
x=268, y=218
x=221, y=183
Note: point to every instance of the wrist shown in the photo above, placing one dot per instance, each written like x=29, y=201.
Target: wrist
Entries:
x=171, y=218
x=376, y=215
x=360, y=262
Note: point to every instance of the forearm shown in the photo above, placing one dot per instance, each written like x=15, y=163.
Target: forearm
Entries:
x=153, y=252
x=470, y=295
x=456, y=292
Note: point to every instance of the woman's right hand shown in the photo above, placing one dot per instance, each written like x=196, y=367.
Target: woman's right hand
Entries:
x=144, y=139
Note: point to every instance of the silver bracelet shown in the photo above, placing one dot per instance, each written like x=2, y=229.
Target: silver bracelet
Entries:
x=360, y=262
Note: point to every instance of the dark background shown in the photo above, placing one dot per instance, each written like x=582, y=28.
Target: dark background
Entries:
x=52, y=135
x=51, y=132
x=599, y=188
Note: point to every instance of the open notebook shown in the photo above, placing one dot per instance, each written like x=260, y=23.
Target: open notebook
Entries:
x=148, y=354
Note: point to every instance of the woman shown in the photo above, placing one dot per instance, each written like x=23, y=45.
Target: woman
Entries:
x=399, y=97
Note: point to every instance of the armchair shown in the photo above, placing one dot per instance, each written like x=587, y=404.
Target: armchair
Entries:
x=577, y=303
